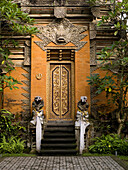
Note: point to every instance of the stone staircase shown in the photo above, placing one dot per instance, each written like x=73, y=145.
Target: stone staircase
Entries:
x=59, y=139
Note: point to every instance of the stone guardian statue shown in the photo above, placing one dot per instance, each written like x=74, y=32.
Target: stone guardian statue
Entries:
x=82, y=121
x=37, y=119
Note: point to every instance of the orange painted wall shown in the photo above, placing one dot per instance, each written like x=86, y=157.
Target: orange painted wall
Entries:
x=12, y=98
x=82, y=70
x=38, y=65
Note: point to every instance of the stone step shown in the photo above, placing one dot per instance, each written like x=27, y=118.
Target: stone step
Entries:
x=56, y=135
x=59, y=152
x=58, y=140
x=59, y=129
x=57, y=146
x=60, y=124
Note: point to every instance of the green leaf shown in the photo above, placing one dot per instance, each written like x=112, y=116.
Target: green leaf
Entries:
x=3, y=62
x=115, y=33
x=118, y=24
x=15, y=87
x=106, y=89
x=109, y=89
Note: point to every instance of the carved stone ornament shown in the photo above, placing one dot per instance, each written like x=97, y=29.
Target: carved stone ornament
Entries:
x=95, y=11
x=59, y=2
x=93, y=31
x=39, y=76
x=25, y=2
x=93, y=68
x=26, y=89
x=27, y=53
x=93, y=53
x=60, y=12
x=14, y=1
x=61, y=32
x=52, y=2
x=25, y=9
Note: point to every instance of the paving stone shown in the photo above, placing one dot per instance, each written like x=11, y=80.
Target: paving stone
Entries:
x=60, y=163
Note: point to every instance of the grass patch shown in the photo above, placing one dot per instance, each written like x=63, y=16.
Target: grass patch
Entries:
x=17, y=155
x=95, y=154
x=123, y=157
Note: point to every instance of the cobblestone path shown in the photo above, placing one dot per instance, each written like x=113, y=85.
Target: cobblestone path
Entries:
x=59, y=163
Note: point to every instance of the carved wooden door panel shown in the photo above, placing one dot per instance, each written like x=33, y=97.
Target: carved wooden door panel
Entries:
x=60, y=91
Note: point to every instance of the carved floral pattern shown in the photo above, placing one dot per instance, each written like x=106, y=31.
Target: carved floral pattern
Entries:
x=60, y=91
x=64, y=91
x=56, y=91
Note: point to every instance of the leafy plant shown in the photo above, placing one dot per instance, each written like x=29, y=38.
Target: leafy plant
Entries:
x=8, y=126
x=16, y=19
x=12, y=145
x=109, y=144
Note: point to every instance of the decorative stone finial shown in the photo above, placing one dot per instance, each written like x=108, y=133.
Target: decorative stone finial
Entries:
x=60, y=12
x=95, y=11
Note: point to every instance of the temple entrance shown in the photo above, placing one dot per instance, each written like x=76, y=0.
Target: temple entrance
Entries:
x=60, y=84
x=60, y=91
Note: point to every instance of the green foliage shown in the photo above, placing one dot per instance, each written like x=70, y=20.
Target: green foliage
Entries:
x=8, y=81
x=16, y=19
x=19, y=23
x=8, y=126
x=115, y=58
x=109, y=144
x=103, y=84
x=12, y=145
x=9, y=133
x=7, y=65
x=117, y=16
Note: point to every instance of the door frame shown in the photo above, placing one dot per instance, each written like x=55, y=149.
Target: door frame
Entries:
x=72, y=88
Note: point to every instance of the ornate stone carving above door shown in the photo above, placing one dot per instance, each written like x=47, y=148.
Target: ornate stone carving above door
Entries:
x=61, y=32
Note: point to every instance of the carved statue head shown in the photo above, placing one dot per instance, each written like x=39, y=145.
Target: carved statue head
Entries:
x=60, y=34
x=37, y=99
x=84, y=99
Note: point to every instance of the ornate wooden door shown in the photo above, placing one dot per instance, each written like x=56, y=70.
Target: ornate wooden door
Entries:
x=60, y=91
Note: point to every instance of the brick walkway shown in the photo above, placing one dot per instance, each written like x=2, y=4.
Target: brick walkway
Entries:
x=60, y=163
